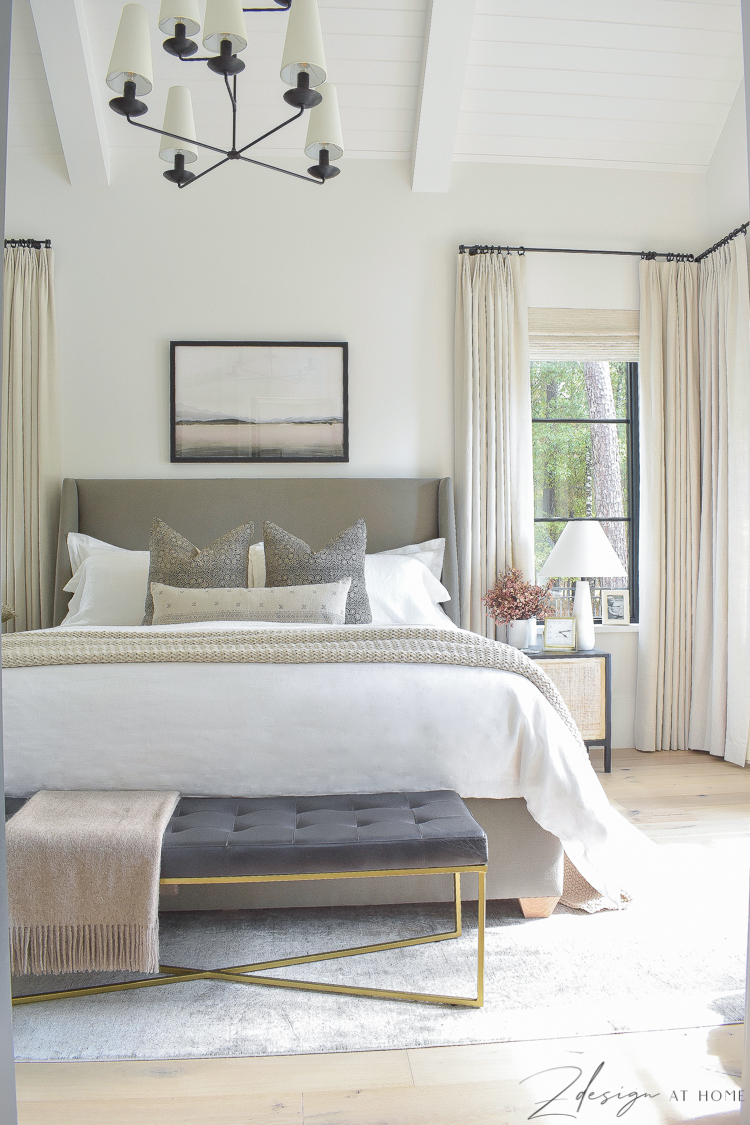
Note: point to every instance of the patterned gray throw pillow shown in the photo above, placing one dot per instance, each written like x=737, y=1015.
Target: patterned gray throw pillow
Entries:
x=175, y=561
x=291, y=562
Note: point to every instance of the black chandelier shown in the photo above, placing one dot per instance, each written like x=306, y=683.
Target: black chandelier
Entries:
x=303, y=68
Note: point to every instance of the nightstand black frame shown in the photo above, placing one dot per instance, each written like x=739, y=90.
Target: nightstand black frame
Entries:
x=554, y=654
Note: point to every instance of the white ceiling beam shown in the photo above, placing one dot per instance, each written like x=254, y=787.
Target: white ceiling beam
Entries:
x=446, y=54
x=74, y=89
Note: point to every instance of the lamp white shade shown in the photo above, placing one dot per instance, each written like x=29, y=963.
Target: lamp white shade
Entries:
x=224, y=20
x=179, y=11
x=583, y=549
x=324, y=130
x=178, y=118
x=131, y=54
x=303, y=48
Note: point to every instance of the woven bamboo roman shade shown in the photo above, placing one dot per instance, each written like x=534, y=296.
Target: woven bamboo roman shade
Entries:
x=583, y=334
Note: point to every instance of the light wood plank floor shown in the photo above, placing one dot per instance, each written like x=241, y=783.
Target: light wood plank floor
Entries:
x=689, y=1075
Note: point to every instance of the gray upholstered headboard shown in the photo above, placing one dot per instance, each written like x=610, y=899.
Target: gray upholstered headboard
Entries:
x=397, y=512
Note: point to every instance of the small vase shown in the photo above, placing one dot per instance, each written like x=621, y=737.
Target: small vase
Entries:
x=522, y=634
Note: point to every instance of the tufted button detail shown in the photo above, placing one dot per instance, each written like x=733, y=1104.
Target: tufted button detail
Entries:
x=218, y=836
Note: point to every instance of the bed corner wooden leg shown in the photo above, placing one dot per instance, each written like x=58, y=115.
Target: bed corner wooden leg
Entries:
x=538, y=907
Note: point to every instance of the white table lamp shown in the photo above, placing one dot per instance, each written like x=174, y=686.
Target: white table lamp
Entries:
x=583, y=549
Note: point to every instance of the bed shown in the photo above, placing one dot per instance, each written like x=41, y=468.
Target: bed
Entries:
x=253, y=728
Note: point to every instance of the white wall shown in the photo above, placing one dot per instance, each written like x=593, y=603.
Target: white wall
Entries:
x=726, y=177
x=247, y=254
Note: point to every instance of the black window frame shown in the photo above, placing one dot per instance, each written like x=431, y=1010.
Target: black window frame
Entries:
x=633, y=478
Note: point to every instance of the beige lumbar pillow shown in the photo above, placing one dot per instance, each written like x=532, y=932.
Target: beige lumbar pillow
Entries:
x=321, y=604
x=175, y=561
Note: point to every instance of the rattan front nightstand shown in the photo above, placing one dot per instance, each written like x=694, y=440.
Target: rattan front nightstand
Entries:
x=583, y=678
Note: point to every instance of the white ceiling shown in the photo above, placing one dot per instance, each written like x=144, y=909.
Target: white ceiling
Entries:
x=607, y=83
x=619, y=83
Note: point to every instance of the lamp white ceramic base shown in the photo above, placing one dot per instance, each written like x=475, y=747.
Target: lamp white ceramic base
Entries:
x=584, y=616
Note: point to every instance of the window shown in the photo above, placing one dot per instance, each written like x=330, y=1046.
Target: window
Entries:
x=585, y=434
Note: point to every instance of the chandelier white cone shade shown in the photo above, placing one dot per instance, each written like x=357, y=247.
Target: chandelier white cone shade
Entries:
x=224, y=20
x=303, y=48
x=178, y=118
x=131, y=55
x=583, y=548
x=173, y=12
x=324, y=130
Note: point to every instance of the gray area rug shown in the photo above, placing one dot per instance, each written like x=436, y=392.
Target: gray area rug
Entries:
x=675, y=958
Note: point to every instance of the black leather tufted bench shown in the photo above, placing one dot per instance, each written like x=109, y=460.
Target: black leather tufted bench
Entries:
x=349, y=836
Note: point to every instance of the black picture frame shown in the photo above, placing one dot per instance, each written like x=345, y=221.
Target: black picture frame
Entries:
x=209, y=437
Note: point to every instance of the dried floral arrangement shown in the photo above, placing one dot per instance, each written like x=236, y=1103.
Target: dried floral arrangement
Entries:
x=512, y=598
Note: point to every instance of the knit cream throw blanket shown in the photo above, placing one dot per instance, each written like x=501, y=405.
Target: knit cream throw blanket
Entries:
x=83, y=881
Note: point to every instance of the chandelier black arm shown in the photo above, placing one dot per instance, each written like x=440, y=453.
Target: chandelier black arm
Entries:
x=275, y=168
x=274, y=130
x=233, y=100
x=187, y=140
x=204, y=172
x=232, y=96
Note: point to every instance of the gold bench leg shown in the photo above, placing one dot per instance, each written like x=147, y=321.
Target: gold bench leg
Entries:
x=239, y=974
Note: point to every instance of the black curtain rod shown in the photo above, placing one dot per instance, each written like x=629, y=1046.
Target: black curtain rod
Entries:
x=723, y=241
x=646, y=255
x=30, y=243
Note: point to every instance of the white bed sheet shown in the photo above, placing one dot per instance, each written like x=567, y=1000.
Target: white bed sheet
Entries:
x=259, y=729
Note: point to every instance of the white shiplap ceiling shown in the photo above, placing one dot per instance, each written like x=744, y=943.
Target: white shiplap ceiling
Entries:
x=620, y=83
x=610, y=83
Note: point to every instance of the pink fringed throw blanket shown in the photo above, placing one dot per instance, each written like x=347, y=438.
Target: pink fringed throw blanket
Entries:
x=83, y=881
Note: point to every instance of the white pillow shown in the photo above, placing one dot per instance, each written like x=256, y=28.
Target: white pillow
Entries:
x=256, y=565
x=401, y=585
x=109, y=588
x=402, y=591
x=80, y=547
x=431, y=553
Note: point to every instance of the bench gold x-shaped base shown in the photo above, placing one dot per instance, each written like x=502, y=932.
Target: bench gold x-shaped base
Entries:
x=240, y=974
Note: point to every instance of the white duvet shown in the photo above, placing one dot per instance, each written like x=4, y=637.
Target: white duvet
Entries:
x=260, y=729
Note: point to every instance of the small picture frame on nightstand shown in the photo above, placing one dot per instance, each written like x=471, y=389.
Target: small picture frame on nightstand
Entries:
x=615, y=607
x=560, y=634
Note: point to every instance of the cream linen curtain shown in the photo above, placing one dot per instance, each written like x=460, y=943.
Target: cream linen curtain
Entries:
x=30, y=437
x=720, y=704
x=669, y=502
x=693, y=668
x=494, y=469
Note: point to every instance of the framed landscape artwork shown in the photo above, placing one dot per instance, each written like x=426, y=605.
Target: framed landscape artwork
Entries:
x=258, y=401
